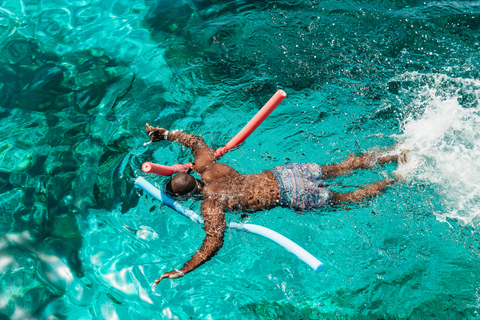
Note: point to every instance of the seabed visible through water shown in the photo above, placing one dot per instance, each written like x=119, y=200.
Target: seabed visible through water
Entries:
x=79, y=80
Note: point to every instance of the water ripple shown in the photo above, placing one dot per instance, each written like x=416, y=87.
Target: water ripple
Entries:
x=81, y=79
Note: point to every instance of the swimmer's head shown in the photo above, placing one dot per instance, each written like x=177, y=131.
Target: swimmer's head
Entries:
x=181, y=186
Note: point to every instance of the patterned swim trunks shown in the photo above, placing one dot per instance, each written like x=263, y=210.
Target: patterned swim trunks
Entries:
x=301, y=186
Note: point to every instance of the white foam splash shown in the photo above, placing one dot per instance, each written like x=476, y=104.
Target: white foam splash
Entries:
x=442, y=134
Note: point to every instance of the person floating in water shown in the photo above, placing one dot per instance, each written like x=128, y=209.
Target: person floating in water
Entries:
x=299, y=186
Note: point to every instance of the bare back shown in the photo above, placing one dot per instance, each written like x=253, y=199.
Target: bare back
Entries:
x=241, y=192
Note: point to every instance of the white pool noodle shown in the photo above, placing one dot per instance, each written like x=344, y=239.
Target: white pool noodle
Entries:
x=269, y=234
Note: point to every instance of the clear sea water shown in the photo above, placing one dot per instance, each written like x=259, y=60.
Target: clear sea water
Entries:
x=79, y=80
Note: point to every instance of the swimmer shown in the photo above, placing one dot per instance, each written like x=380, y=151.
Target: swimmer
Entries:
x=299, y=186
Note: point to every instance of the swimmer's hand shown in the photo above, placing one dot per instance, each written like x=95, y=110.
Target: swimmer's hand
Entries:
x=155, y=134
x=174, y=274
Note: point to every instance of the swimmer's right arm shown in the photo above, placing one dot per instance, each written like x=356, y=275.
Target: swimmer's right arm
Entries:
x=214, y=227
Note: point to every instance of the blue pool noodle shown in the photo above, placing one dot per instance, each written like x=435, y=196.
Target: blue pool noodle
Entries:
x=286, y=243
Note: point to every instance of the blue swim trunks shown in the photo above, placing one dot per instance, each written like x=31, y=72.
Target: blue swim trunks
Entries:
x=301, y=186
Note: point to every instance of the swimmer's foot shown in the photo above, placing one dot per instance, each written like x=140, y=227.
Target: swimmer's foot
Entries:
x=403, y=158
x=397, y=175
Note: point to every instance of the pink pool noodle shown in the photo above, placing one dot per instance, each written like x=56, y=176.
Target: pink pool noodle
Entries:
x=149, y=167
x=261, y=115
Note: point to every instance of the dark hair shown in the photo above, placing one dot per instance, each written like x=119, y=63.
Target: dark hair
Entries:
x=181, y=185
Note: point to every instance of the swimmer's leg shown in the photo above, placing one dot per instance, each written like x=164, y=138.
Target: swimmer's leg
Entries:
x=353, y=163
x=360, y=194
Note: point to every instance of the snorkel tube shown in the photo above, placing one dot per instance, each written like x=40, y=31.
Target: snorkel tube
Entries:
x=253, y=124
x=269, y=234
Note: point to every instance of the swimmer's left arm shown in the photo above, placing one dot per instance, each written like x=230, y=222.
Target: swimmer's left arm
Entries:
x=203, y=154
x=189, y=140
x=214, y=219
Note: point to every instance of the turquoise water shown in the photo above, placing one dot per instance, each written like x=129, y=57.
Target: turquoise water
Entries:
x=79, y=80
